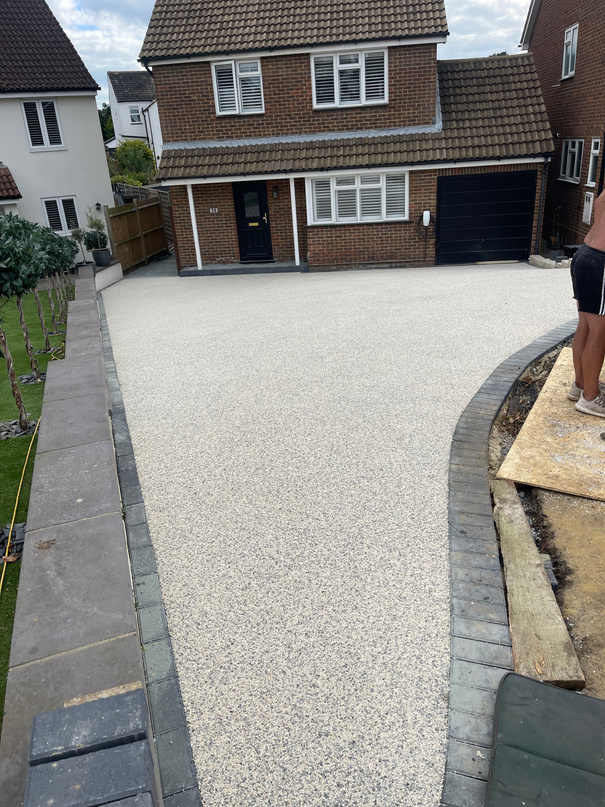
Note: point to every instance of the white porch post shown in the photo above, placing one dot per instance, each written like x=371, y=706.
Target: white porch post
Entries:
x=294, y=222
x=196, y=240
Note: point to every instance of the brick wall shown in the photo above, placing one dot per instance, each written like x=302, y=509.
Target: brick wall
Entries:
x=340, y=246
x=576, y=105
x=187, y=111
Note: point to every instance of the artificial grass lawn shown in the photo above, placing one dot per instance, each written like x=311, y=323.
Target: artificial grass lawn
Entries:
x=14, y=450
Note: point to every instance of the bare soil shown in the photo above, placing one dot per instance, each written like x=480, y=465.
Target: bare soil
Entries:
x=565, y=527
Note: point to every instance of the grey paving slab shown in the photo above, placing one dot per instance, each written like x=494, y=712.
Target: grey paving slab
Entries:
x=78, y=348
x=76, y=590
x=158, y=661
x=463, y=791
x=147, y=590
x=46, y=685
x=476, y=729
x=187, y=798
x=472, y=700
x=489, y=611
x=138, y=536
x=74, y=422
x=489, y=577
x=469, y=673
x=469, y=760
x=73, y=483
x=480, y=629
x=474, y=560
x=478, y=592
x=175, y=760
x=70, y=379
x=142, y=560
x=152, y=622
x=483, y=652
x=306, y=463
x=167, y=711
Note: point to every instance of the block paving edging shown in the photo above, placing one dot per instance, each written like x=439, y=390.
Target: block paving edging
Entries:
x=170, y=731
x=480, y=647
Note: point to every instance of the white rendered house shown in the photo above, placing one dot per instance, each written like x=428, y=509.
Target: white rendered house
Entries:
x=50, y=137
x=133, y=109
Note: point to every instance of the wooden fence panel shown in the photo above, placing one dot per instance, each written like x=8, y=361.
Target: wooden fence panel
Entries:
x=137, y=232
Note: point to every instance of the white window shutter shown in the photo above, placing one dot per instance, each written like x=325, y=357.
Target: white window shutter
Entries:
x=370, y=200
x=350, y=85
x=54, y=217
x=225, y=87
x=251, y=93
x=33, y=123
x=323, y=67
x=346, y=204
x=395, y=196
x=323, y=200
x=52, y=124
x=69, y=211
x=375, y=77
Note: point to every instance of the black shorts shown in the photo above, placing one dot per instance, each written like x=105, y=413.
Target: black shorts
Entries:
x=588, y=279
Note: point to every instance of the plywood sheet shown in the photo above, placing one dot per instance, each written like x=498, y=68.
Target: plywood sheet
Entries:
x=559, y=448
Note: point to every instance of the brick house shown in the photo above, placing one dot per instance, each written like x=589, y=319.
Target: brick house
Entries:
x=331, y=134
x=566, y=40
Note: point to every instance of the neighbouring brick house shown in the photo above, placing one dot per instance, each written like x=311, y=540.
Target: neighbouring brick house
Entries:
x=329, y=132
x=566, y=39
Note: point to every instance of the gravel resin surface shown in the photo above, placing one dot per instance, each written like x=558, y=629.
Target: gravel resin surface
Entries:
x=292, y=435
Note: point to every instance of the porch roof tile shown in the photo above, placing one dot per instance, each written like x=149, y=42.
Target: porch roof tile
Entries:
x=492, y=109
x=8, y=187
x=199, y=27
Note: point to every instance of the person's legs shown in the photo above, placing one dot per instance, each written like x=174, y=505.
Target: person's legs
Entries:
x=578, y=345
x=593, y=355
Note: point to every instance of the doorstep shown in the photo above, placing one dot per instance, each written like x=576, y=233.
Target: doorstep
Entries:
x=243, y=269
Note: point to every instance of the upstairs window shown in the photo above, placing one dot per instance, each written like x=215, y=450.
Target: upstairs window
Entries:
x=135, y=114
x=238, y=88
x=595, y=149
x=349, y=79
x=42, y=124
x=569, y=51
x=61, y=214
x=571, y=160
x=358, y=198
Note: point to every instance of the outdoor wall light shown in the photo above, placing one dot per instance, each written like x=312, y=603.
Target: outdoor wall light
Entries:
x=275, y=191
x=98, y=206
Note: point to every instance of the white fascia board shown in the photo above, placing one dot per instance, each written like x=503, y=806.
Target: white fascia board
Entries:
x=528, y=28
x=168, y=183
x=53, y=94
x=258, y=54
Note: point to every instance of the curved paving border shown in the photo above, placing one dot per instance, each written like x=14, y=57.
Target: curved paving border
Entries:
x=170, y=732
x=480, y=636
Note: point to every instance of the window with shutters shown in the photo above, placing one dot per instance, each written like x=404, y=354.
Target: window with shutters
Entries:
x=358, y=198
x=61, y=214
x=42, y=122
x=349, y=79
x=238, y=87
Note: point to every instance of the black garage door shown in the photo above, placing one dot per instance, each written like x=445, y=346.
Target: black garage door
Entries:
x=485, y=217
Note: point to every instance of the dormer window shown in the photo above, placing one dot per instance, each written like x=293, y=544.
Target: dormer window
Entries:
x=135, y=114
x=238, y=87
x=569, y=51
x=42, y=125
x=358, y=78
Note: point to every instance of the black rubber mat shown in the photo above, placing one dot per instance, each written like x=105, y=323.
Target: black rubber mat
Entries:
x=549, y=747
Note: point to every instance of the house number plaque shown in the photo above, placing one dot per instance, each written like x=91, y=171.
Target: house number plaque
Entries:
x=214, y=209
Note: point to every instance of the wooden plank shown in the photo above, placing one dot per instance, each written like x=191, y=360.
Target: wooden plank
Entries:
x=140, y=228
x=542, y=648
x=559, y=448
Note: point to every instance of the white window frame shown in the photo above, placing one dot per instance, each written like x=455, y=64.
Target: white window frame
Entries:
x=42, y=121
x=336, y=68
x=570, y=50
x=310, y=198
x=59, y=200
x=136, y=115
x=238, y=92
x=575, y=152
x=595, y=150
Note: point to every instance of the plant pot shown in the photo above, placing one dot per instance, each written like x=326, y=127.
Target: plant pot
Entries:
x=102, y=257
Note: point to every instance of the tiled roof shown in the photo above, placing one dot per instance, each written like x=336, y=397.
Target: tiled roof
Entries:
x=492, y=109
x=194, y=27
x=132, y=85
x=8, y=186
x=35, y=53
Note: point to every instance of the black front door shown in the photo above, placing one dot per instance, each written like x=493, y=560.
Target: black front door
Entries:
x=252, y=216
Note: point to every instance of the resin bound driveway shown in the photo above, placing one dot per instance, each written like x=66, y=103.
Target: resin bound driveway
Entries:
x=292, y=435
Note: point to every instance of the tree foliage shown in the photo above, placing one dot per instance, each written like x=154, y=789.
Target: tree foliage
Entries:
x=133, y=163
x=22, y=256
x=106, y=122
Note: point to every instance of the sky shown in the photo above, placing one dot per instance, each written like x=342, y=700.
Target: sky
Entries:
x=108, y=34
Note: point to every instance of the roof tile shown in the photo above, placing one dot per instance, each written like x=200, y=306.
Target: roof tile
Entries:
x=8, y=186
x=195, y=27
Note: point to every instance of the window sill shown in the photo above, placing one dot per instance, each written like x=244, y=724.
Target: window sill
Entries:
x=348, y=223
x=591, y=185
x=564, y=78
x=238, y=114
x=36, y=149
x=327, y=107
x=570, y=181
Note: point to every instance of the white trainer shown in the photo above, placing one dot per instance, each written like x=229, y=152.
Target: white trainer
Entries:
x=596, y=407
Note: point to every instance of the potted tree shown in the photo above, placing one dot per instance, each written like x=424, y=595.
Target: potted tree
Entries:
x=95, y=238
